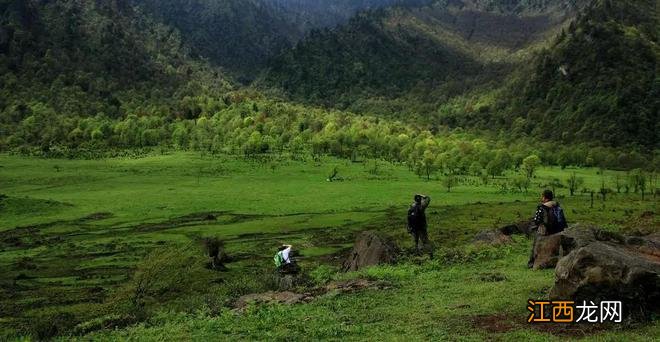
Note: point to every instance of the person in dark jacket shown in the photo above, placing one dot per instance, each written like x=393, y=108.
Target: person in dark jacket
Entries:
x=549, y=219
x=417, y=225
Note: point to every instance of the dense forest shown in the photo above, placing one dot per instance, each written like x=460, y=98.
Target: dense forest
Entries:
x=419, y=83
x=598, y=76
x=478, y=64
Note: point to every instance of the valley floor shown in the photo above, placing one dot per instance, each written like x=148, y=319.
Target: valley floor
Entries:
x=74, y=231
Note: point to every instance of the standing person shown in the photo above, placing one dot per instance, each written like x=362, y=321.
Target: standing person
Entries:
x=417, y=225
x=549, y=219
x=283, y=260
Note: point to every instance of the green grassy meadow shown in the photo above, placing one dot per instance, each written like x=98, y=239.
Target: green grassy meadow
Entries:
x=73, y=232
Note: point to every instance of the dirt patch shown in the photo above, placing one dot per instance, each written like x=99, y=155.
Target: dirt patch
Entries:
x=492, y=277
x=354, y=285
x=271, y=297
x=290, y=298
x=502, y=323
x=570, y=329
x=193, y=219
x=96, y=216
x=493, y=324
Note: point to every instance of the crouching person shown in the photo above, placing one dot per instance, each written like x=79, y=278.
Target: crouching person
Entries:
x=284, y=262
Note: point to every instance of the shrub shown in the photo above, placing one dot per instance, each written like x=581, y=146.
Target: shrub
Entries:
x=323, y=274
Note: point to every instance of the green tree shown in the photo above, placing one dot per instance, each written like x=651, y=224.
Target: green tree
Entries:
x=449, y=182
x=530, y=165
x=574, y=183
x=475, y=169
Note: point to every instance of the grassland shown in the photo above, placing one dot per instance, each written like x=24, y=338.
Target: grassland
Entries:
x=74, y=231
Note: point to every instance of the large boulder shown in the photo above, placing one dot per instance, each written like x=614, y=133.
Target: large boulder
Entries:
x=522, y=227
x=492, y=237
x=580, y=236
x=601, y=265
x=371, y=248
x=547, y=251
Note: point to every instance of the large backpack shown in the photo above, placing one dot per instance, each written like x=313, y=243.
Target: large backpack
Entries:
x=554, y=220
x=279, y=260
x=413, y=217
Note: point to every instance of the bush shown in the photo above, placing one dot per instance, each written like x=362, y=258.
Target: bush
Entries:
x=163, y=275
x=323, y=274
x=52, y=323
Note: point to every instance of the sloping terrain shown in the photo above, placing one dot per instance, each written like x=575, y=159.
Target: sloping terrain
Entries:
x=452, y=44
x=81, y=58
x=528, y=66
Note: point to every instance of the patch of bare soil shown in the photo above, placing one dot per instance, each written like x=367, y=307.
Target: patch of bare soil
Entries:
x=570, y=329
x=502, y=323
x=290, y=298
x=271, y=297
x=354, y=285
x=497, y=323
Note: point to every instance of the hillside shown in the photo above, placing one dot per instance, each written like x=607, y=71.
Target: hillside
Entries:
x=309, y=14
x=601, y=75
x=519, y=65
x=65, y=60
x=241, y=35
x=513, y=68
x=238, y=35
x=453, y=46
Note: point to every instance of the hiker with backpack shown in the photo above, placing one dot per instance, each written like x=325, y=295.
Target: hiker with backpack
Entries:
x=549, y=219
x=283, y=261
x=417, y=225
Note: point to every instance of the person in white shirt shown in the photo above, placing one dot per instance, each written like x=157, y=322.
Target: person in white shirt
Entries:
x=283, y=260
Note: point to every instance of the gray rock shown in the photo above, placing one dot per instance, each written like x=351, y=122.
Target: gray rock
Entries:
x=522, y=227
x=600, y=265
x=492, y=237
x=371, y=248
x=547, y=251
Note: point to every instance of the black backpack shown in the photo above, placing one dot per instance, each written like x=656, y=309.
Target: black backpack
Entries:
x=554, y=220
x=413, y=215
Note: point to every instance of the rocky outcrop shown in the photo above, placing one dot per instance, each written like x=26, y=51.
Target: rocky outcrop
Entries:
x=547, y=251
x=371, y=248
x=492, y=237
x=600, y=265
x=522, y=227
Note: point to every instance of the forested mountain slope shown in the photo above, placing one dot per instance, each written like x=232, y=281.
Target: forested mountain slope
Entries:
x=455, y=45
x=327, y=13
x=528, y=68
x=532, y=67
x=238, y=35
x=61, y=60
x=597, y=82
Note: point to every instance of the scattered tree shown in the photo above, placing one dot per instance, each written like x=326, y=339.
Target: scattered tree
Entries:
x=574, y=183
x=530, y=164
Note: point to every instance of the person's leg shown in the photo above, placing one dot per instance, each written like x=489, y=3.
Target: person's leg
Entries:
x=415, y=235
x=427, y=246
x=530, y=263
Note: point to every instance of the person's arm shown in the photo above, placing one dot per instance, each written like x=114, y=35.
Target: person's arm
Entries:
x=538, y=216
x=286, y=254
x=426, y=200
x=563, y=220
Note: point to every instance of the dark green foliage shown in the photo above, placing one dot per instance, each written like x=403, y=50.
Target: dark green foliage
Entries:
x=601, y=76
x=363, y=59
x=446, y=64
x=596, y=83
x=427, y=50
x=89, y=79
x=64, y=60
x=236, y=34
